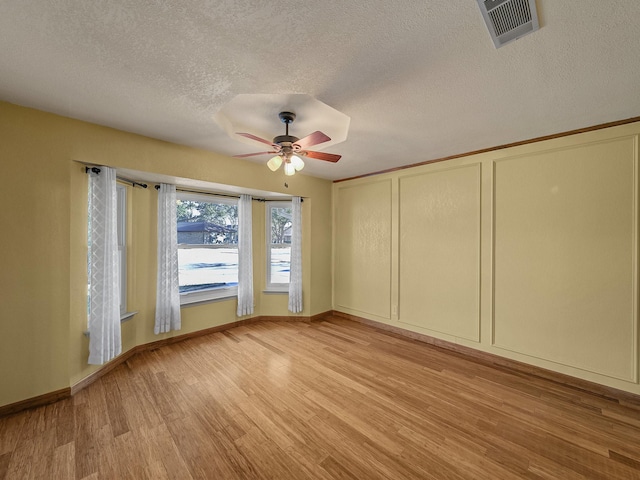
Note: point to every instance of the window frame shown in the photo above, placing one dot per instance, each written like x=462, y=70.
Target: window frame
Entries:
x=121, y=191
x=215, y=293
x=273, y=287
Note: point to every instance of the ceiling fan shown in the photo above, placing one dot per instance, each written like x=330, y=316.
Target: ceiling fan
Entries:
x=289, y=149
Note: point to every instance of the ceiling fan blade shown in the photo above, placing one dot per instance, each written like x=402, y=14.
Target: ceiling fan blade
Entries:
x=253, y=137
x=327, y=157
x=253, y=154
x=312, y=139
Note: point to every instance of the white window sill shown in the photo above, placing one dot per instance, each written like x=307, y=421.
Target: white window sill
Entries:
x=276, y=291
x=207, y=296
x=127, y=316
x=194, y=302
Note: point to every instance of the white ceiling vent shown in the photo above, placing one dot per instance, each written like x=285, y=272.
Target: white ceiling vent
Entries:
x=508, y=20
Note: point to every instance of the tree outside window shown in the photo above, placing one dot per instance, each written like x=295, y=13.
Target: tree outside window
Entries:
x=278, y=245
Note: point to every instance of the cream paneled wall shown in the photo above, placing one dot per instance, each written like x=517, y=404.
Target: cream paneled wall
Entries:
x=363, y=255
x=564, y=279
x=439, y=254
x=529, y=253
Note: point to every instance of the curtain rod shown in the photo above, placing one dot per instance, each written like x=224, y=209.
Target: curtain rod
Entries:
x=122, y=179
x=157, y=187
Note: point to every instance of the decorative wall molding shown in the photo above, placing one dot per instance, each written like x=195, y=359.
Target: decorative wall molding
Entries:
x=377, y=304
x=406, y=195
x=499, y=147
x=581, y=159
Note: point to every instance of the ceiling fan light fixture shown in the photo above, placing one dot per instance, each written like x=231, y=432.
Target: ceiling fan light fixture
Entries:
x=274, y=163
x=297, y=163
x=287, y=145
x=289, y=169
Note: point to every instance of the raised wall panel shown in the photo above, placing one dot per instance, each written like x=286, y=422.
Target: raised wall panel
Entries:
x=363, y=248
x=440, y=251
x=564, y=255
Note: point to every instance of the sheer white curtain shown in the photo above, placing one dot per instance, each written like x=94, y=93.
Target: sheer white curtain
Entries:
x=167, y=286
x=295, y=279
x=245, y=257
x=104, y=304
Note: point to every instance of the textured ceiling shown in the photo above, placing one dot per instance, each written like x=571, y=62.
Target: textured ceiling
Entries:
x=419, y=80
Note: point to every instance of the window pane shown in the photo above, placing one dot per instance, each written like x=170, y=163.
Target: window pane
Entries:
x=280, y=225
x=122, y=245
x=207, y=244
x=122, y=254
x=280, y=264
x=200, y=268
x=122, y=215
x=279, y=244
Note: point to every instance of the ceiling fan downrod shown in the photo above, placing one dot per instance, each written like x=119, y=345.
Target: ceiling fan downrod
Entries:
x=286, y=139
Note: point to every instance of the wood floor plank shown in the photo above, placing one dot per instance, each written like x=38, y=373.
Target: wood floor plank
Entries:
x=325, y=400
x=203, y=455
x=269, y=460
x=42, y=456
x=113, y=401
x=4, y=465
x=63, y=463
x=338, y=471
x=437, y=467
x=12, y=427
x=65, y=422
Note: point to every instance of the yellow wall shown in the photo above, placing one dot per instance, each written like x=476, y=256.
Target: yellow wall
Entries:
x=43, y=275
x=528, y=253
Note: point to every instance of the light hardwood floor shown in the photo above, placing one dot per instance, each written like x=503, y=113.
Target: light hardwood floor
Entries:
x=328, y=400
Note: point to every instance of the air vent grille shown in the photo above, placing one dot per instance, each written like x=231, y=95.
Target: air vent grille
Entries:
x=508, y=20
x=510, y=15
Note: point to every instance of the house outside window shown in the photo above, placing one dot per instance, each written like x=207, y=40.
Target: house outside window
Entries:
x=207, y=247
x=278, y=245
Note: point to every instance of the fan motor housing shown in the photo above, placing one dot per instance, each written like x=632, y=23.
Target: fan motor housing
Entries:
x=284, y=139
